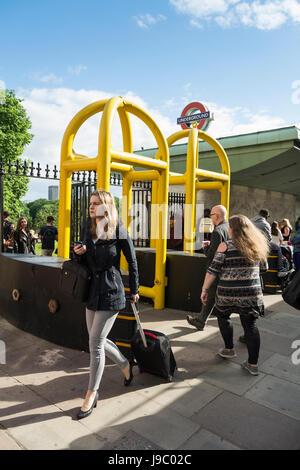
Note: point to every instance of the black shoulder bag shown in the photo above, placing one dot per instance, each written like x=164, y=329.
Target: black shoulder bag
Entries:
x=75, y=280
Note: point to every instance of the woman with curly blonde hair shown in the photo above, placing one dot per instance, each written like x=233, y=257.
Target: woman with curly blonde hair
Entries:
x=238, y=264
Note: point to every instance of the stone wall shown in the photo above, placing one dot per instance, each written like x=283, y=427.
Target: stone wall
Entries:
x=249, y=201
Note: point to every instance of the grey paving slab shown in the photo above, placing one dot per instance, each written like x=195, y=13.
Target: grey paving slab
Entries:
x=7, y=442
x=249, y=425
x=206, y=440
x=279, y=328
x=185, y=397
x=153, y=421
x=132, y=441
x=282, y=367
x=204, y=407
x=287, y=318
x=58, y=433
x=276, y=343
x=278, y=395
x=229, y=376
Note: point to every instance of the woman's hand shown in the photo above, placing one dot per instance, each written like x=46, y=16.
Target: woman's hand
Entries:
x=79, y=249
x=204, y=296
x=135, y=297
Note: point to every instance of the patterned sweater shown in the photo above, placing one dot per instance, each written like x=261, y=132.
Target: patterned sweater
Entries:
x=239, y=287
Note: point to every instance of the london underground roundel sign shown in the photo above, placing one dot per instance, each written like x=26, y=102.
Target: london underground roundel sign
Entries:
x=195, y=112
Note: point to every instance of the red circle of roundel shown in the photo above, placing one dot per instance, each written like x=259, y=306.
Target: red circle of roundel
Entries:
x=194, y=105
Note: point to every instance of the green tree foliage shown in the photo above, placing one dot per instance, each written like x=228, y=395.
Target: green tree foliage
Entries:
x=14, y=136
x=39, y=210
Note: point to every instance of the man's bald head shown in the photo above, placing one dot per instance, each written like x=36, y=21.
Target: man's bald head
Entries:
x=218, y=214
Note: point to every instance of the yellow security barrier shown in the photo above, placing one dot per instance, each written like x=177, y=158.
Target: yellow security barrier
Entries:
x=122, y=161
x=190, y=179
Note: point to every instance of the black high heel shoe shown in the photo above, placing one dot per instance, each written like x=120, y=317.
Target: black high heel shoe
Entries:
x=128, y=381
x=84, y=414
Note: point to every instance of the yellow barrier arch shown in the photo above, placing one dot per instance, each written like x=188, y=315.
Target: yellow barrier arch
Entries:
x=122, y=161
x=220, y=181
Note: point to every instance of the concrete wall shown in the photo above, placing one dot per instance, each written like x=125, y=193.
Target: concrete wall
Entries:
x=248, y=201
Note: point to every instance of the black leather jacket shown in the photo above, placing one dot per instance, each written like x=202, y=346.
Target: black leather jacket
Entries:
x=103, y=260
x=23, y=243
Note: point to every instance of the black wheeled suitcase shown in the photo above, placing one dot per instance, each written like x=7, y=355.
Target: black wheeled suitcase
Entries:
x=152, y=352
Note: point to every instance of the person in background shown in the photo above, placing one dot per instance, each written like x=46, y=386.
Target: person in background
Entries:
x=218, y=216
x=237, y=265
x=261, y=222
x=48, y=234
x=100, y=251
x=23, y=243
x=206, y=226
x=34, y=238
x=276, y=233
x=7, y=231
x=295, y=241
x=297, y=224
x=286, y=229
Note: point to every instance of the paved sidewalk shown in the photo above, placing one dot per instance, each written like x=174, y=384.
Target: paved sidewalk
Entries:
x=211, y=404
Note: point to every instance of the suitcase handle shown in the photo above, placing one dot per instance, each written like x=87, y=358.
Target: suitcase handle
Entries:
x=139, y=326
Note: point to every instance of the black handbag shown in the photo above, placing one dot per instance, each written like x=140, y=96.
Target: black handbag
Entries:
x=291, y=293
x=75, y=280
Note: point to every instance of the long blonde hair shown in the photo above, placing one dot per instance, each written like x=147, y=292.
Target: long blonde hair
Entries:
x=108, y=214
x=286, y=223
x=248, y=240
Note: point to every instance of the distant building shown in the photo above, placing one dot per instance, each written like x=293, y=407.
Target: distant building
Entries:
x=52, y=193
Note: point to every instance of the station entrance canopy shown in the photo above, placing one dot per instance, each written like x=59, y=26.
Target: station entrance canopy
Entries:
x=267, y=159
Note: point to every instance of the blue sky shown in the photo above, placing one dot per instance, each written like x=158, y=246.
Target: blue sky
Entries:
x=239, y=57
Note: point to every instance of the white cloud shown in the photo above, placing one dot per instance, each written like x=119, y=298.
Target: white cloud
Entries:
x=50, y=78
x=51, y=110
x=147, y=20
x=77, y=69
x=264, y=15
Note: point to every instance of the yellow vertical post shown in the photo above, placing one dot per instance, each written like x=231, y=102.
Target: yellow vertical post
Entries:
x=123, y=161
x=190, y=191
x=104, y=146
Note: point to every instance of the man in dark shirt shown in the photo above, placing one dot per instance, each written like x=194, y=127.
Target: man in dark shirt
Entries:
x=48, y=234
x=220, y=234
x=7, y=230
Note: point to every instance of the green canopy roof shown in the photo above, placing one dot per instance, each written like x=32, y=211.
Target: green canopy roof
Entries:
x=266, y=159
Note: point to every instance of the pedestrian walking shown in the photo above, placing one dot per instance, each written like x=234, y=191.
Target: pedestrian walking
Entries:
x=237, y=265
x=218, y=216
x=48, y=234
x=261, y=222
x=100, y=250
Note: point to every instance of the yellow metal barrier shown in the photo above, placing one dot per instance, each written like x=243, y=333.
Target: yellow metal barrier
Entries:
x=157, y=170
x=220, y=181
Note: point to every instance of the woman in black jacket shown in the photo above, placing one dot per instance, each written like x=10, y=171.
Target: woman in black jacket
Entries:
x=23, y=242
x=103, y=242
